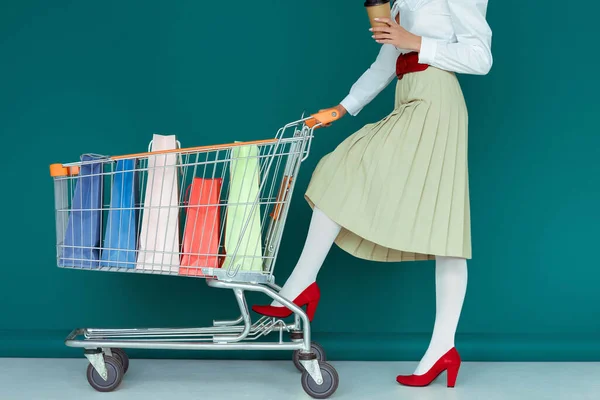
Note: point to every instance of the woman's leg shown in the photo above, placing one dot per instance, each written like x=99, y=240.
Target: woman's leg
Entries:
x=321, y=236
x=451, y=287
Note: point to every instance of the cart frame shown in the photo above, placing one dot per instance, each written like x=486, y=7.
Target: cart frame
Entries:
x=101, y=345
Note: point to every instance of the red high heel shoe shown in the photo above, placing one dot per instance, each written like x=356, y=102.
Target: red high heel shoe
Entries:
x=309, y=298
x=449, y=362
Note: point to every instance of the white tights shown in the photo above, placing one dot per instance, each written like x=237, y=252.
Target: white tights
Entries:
x=321, y=235
x=450, y=282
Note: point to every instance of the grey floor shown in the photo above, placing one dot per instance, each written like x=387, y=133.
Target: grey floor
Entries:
x=49, y=379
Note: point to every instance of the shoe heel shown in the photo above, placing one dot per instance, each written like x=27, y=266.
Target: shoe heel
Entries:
x=452, y=374
x=311, y=309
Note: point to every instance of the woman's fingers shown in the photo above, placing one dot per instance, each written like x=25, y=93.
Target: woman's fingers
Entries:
x=384, y=29
x=381, y=32
x=382, y=37
x=386, y=21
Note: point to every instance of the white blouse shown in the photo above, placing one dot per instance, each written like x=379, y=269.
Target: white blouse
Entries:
x=455, y=37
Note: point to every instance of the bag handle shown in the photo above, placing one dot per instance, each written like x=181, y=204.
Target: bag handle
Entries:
x=177, y=150
x=186, y=196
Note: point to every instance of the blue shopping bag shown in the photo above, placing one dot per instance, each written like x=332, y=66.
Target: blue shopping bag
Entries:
x=81, y=245
x=120, y=240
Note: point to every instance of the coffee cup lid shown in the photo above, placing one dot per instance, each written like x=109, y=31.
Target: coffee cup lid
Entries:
x=370, y=3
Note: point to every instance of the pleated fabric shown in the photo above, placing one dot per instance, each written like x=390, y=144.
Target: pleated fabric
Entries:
x=399, y=187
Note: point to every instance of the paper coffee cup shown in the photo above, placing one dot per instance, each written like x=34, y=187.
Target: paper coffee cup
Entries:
x=378, y=9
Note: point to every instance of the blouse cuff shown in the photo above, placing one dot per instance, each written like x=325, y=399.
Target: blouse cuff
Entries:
x=428, y=50
x=351, y=105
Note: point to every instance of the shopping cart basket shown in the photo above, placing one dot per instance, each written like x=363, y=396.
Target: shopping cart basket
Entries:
x=213, y=212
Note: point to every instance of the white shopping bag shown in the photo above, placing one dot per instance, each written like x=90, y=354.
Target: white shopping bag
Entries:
x=159, y=236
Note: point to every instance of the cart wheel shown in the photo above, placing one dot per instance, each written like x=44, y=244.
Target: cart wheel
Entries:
x=115, y=375
x=331, y=380
x=120, y=355
x=316, y=348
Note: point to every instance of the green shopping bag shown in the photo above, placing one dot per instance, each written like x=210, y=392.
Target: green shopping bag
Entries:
x=243, y=229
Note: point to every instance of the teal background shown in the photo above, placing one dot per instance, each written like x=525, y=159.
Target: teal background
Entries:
x=85, y=76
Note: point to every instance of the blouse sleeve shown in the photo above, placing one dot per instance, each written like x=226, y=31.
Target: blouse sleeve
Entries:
x=381, y=73
x=471, y=54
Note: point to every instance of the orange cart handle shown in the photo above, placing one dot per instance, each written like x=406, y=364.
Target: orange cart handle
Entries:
x=324, y=117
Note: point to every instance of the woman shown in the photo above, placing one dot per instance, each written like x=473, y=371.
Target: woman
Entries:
x=397, y=190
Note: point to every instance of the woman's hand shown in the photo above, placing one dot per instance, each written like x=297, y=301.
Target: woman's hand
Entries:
x=396, y=35
x=340, y=108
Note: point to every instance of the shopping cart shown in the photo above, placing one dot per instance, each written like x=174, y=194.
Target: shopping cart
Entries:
x=214, y=212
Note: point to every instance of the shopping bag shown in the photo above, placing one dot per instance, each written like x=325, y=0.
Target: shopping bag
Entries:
x=202, y=227
x=81, y=245
x=159, y=235
x=242, y=228
x=120, y=239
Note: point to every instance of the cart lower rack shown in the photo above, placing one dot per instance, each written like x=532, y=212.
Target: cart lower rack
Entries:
x=213, y=212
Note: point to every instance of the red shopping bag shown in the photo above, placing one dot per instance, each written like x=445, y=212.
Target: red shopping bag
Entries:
x=202, y=227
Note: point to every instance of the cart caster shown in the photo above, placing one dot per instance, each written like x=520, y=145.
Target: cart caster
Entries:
x=330, y=383
x=115, y=373
x=120, y=355
x=315, y=348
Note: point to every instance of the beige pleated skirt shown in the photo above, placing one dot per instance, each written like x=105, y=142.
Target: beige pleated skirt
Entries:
x=399, y=187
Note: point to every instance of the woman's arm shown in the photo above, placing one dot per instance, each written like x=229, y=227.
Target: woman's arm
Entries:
x=381, y=73
x=472, y=53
